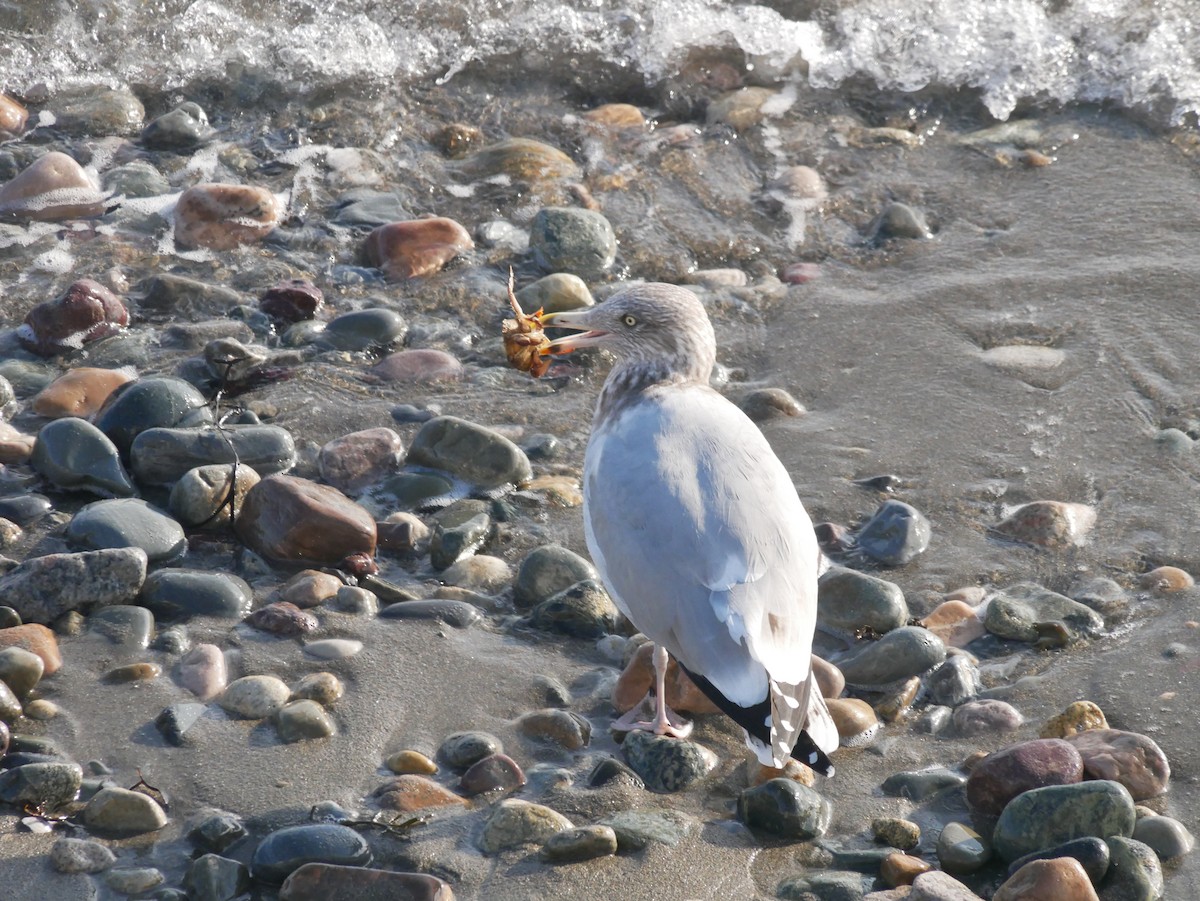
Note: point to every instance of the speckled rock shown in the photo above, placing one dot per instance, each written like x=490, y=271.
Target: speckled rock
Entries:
x=848, y=600
x=44, y=588
x=1001, y=776
x=417, y=247
x=1045, y=817
x=513, y=824
x=584, y=610
x=255, y=697
x=785, y=808
x=286, y=850
x=1133, y=760
x=471, y=452
x=667, y=764
x=901, y=653
x=1134, y=873
x=463, y=749
x=127, y=523
x=494, y=773
x=984, y=717
x=73, y=454
x=895, y=534
x=80, y=855
x=896, y=833
x=560, y=727
x=52, y=188
x=162, y=456
x=1016, y=611
x=120, y=811
x=572, y=240
x=282, y=618
x=580, y=843
x=224, y=217
x=547, y=570
x=1078, y=717
x=294, y=520
x=52, y=784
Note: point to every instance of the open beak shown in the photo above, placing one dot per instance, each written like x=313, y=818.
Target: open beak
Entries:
x=576, y=319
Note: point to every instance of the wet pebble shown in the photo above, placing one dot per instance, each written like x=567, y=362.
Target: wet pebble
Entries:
x=162, y=456
x=13, y=116
x=192, y=592
x=215, y=878
x=1134, y=873
x=51, y=783
x=545, y=571
x=956, y=623
x=480, y=572
x=136, y=178
x=78, y=392
x=411, y=792
x=310, y=588
x=302, y=720
x=1048, y=880
x=216, y=830
x=1166, y=579
x=1133, y=760
x=10, y=705
x=25, y=509
x=902, y=869
x=1016, y=611
x=667, y=764
x=99, y=111
x=133, y=880
x=224, y=216
x=785, y=808
x=638, y=676
x=333, y=648
x=459, y=531
x=768, y=403
x=127, y=523
x=52, y=188
x=44, y=588
x=409, y=761
x=132, y=672
x=36, y=639
x=422, y=366
x=561, y=727
x=458, y=614
x=922, y=783
x=402, y=532
x=128, y=626
x=960, y=849
x=831, y=885
x=372, y=329
x=572, y=240
x=324, y=688
x=985, y=717
x=416, y=247
x=282, y=618
x=461, y=750
x=584, y=610
x=556, y=293
x=895, y=534
x=152, y=402
x=1090, y=853
x=1167, y=836
x=15, y=445
x=291, y=301
x=1049, y=524
x=20, y=670
x=896, y=833
x=494, y=773
x=254, y=697
x=901, y=653
x=855, y=719
x=954, y=681
x=75, y=455
x=1003, y=775
x=829, y=678
x=471, y=452
x=1045, y=817
x=513, y=824
x=80, y=855
x=294, y=520
x=203, y=672
x=899, y=220
x=323, y=881
x=848, y=600
x=120, y=811
x=200, y=499
x=740, y=109
x=579, y=844
x=183, y=128
x=286, y=850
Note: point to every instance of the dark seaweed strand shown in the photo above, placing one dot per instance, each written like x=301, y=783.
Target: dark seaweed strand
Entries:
x=230, y=500
x=754, y=721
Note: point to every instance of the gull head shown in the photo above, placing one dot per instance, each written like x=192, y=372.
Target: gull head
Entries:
x=657, y=326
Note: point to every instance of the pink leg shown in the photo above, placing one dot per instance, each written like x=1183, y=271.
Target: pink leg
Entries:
x=666, y=721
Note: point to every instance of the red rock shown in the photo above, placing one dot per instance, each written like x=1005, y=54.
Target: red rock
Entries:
x=410, y=792
x=79, y=392
x=1001, y=776
x=800, y=273
x=1134, y=760
x=332, y=882
x=638, y=676
x=86, y=311
x=223, y=217
x=956, y=623
x=352, y=462
x=292, y=301
x=421, y=365
x=36, y=639
x=496, y=772
x=282, y=618
x=13, y=116
x=1058, y=879
x=52, y=188
x=289, y=519
x=416, y=247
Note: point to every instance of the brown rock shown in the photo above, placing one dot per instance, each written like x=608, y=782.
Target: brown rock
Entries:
x=956, y=623
x=1078, y=717
x=401, y=532
x=902, y=869
x=1049, y=524
x=79, y=392
x=829, y=678
x=1134, y=760
x=84, y=312
x=1001, y=776
x=421, y=365
x=616, y=116
x=282, y=618
x=309, y=588
x=37, y=639
x=52, y=188
x=521, y=159
x=223, y=217
x=408, y=761
x=13, y=116
x=333, y=882
x=291, y=301
x=416, y=247
x=561, y=727
x=290, y=519
x=855, y=720
x=410, y=792
x=15, y=446
x=494, y=773
x=457, y=139
x=636, y=679
x=352, y=462
x=1058, y=879
x=1166, y=579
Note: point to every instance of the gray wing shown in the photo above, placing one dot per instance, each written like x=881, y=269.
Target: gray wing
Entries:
x=697, y=530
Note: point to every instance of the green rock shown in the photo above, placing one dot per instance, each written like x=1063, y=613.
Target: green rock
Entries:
x=581, y=843
x=480, y=456
x=848, y=600
x=1016, y=611
x=1045, y=817
x=573, y=240
x=667, y=764
x=514, y=823
x=831, y=886
x=545, y=572
x=786, y=808
x=74, y=454
x=635, y=829
x=1134, y=873
x=960, y=849
x=584, y=611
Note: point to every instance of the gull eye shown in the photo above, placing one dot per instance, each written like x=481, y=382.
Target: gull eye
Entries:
x=629, y=319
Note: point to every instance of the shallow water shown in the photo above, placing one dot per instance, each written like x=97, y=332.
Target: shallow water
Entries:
x=1030, y=349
